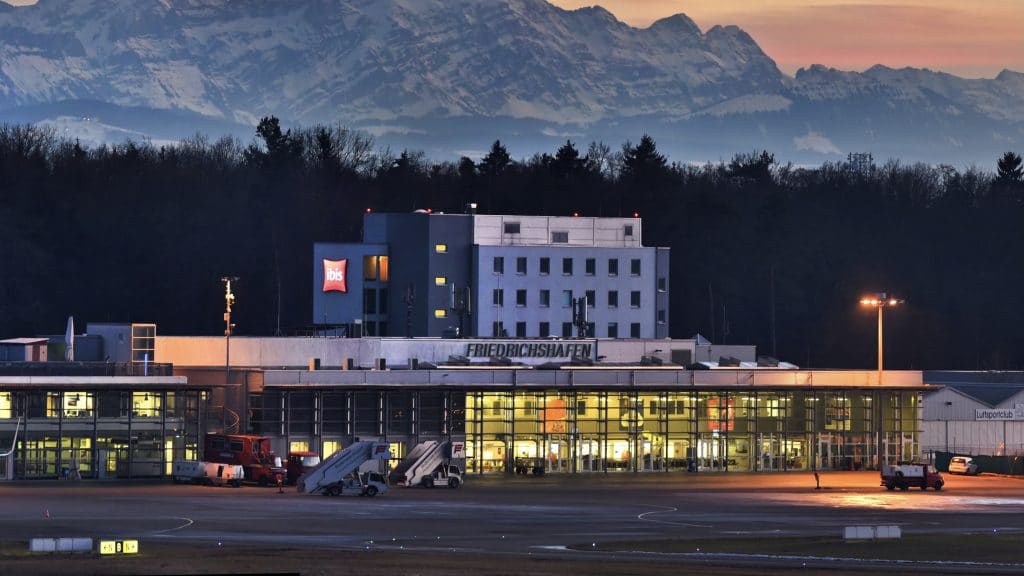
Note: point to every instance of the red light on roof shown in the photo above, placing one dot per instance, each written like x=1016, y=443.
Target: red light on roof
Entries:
x=575, y=214
x=636, y=214
x=368, y=210
x=430, y=210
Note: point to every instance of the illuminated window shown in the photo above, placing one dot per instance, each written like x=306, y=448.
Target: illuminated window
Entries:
x=440, y=281
x=146, y=405
x=440, y=313
x=369, y=268
x=375, y=268
x=5, y=405
x=440, y=248
x=69, y=404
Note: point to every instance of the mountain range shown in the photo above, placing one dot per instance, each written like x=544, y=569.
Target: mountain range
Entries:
x=451, y=76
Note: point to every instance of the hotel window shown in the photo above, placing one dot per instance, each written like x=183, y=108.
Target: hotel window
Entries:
x=499, y=297
x=369, y=301
x=567, y=266
x=591, y=298
x=591, y=266
x=520, y=298
x=369, y=268
x=375, y=268
x=441, y=248
x=440, y=281
x=440, y=313
x=661, y=316
x=559, y=237
x=566, y=329
x=634, y=267
x=545, y=298
x=545, y=329
x=521, y=265
x=566, y=298
x=613, y=329
x=499, y=264
x=545, y=266
x=613, y=298
x=627, y=230
x=634, y=330
x=662, y=284
x=511, y=227
x=498, y=329
x=520, y=329
x=634, y=299
x=613, y=266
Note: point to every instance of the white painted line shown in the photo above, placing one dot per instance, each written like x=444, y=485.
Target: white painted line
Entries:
x=668, y=509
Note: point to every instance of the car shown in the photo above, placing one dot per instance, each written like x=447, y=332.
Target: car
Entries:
x=963, y=465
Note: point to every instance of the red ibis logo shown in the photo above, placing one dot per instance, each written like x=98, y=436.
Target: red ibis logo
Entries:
x=335, y=273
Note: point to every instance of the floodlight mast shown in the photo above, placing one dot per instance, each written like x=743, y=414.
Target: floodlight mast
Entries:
x=880, y=301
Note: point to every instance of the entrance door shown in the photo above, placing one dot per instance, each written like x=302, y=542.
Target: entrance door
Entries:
x=711, y=453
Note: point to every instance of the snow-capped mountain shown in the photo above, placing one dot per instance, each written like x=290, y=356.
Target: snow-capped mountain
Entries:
x=453, y=75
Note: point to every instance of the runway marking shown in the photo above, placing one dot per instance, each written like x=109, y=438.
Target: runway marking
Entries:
x=667, y=509
x=187, y=522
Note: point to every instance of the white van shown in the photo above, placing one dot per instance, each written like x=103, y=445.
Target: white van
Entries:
x=963, y=465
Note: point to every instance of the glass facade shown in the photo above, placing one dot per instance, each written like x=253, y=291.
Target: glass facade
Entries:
x=101, y=433
x=579, y=431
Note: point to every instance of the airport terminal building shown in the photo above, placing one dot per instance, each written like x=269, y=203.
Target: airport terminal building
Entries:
x=500, y=358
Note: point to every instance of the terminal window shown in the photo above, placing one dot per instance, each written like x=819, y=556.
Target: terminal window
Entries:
x=499, y=264
x=499, y=297
x=545, y=298
x=566, y=298
x=591, y=298
x=545, y=329
x=566, y=329
x=567, y=266
x=634, y=330
x=511, y=227
x=613, y=298
x=613, y=266
x=559, y=237
x=591, y=266
x=520, y=329
x=521, y=265
x=634, y=267
x=520, y=298
x=545, y=266
x=613, y=329
x=634, y=299
x=440, y=248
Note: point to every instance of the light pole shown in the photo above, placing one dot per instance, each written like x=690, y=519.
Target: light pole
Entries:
x=229, y=299
x=880, y=301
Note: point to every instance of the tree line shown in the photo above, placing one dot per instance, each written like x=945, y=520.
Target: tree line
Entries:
x=763, y=252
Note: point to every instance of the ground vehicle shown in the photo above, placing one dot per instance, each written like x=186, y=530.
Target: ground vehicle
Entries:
x=299, y=463
x=963, y=465
x=903, y=476
x=253, y=453
x=358, y=469
x=427, y=465
x=210, y=473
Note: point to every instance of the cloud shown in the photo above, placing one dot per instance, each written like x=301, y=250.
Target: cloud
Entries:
x=815, y=142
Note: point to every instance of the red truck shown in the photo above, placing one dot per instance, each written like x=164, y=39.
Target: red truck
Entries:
x=299, y=463
x=253, y=453
x=903, y=476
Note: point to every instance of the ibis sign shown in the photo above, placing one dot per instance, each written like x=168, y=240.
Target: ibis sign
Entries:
x=336, y=275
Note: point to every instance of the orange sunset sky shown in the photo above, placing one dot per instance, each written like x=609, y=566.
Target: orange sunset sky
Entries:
x=970, y=38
